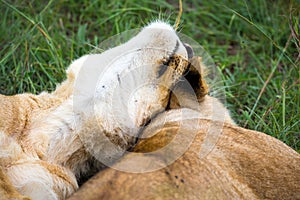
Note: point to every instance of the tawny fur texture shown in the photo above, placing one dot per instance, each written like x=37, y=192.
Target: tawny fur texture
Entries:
x=223, y=161
x=244, y=164
x=48, y=141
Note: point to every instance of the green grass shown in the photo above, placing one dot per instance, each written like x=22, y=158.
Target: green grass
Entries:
x=250, y=41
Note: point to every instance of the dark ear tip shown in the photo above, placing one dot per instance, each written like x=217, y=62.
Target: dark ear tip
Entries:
x=196, y=77
x=189, y=50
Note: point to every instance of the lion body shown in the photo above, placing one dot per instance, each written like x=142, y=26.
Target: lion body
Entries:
x=48, y=141
x=243, y=164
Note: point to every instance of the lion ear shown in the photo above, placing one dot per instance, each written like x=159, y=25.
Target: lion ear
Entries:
x=181, y=95
x=195, y=77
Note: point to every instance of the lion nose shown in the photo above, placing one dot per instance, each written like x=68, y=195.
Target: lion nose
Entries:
x=189, y=50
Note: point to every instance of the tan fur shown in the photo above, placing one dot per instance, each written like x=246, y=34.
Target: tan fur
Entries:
x=7, y=191
x=17, y=115
x=19, y=109
x=243, y=164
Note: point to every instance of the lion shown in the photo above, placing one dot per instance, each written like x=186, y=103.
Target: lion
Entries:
x=50, y=141
x=220, y=160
